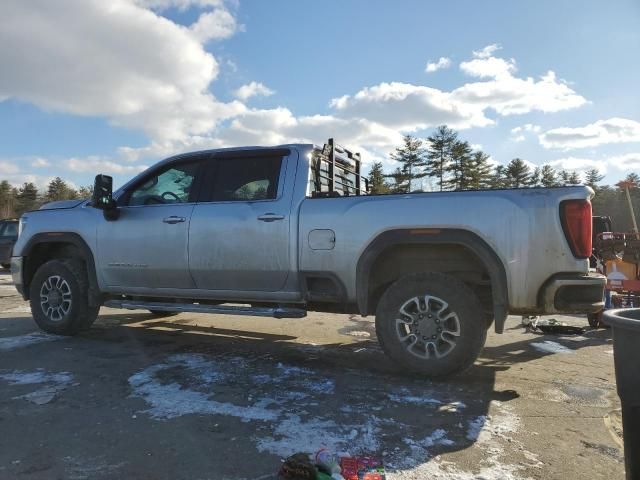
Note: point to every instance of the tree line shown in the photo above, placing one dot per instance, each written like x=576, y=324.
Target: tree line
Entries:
x=14, y=201
x=449, y=163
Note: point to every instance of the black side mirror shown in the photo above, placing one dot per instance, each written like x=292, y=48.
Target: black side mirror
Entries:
x=102, y=197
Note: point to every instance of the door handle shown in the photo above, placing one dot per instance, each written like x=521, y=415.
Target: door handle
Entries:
x=270, y=217
x=173, y=219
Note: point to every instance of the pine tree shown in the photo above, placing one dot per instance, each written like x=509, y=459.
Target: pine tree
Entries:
x=633, y=178
x=574, y=178
x=564, y=177
x=459, y=167
x=411, y=157
x=377, y=182
x=480, y=175
x=592, y=177
x=400, y=181
x=7, y=200
x=518, y=173
x=439, y=153
x=535, y=177
x=58, y=189
x=26, y=198
x=499, y=178
x=85, y=192
x=548, y=176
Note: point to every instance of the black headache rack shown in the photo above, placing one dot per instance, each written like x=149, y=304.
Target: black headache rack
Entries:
x=336, y=172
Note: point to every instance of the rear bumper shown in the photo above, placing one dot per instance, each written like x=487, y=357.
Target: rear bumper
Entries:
x=16, y=274
x=573, y=293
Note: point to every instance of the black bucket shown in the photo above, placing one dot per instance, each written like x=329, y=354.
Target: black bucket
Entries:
x=625, y=324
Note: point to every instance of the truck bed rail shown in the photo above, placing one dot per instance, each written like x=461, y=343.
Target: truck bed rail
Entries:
x=337, y=171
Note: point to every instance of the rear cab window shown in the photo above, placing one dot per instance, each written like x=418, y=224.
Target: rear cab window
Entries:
x=243, y=179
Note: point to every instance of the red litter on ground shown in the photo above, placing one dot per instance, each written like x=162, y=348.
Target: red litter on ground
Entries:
x=362, y=468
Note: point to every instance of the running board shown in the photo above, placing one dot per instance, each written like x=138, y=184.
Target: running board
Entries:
x=276, y=312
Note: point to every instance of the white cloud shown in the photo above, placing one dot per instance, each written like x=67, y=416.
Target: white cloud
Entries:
x=40, y=162
x=519, y=133
x=252, y=89
x=162, y=5
x=111, y=59
x=215, y=25
x=8, y=168
x=489, y=67
x=94, y=164
x=487, y=51
x=410, y=107
x=443, y=62
x=579, y=164
x=612, y=130
x=527, y=127
x=623, y=163
x=510, y=95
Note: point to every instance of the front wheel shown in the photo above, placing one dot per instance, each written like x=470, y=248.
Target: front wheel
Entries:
x=431, y=323
x=59, y=297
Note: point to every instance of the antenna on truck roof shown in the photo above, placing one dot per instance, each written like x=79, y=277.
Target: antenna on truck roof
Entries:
x=337, y=172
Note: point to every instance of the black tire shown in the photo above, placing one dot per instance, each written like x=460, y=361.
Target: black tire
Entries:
x=161, y=314
x=6, y=266
x=79, y=315
x=471, y=324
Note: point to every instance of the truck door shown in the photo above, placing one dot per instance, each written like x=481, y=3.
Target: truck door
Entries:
x=239, y=233
x=147, y=246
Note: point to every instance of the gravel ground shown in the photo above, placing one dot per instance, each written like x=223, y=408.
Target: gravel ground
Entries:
x=217, y=397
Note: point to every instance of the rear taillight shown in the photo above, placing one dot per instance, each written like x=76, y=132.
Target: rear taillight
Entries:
x=575, y=216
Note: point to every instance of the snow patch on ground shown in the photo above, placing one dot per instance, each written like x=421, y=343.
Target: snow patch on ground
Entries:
x=52, y=384
x=170, y=400
x=547, y=346
x=489, y=432
x=359, y=333
x=296, y=408
x=20, y=341
x=404, y=396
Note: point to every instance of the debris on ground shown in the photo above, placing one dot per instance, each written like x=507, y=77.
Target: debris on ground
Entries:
x=328, y=466
x=550, y=326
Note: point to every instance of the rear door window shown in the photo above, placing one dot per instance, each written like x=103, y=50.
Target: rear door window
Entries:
x=244, y=179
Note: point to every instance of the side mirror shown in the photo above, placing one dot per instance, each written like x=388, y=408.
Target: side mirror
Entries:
x=102, y=197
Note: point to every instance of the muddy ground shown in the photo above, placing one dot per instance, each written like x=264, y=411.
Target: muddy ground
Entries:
x=214, y=397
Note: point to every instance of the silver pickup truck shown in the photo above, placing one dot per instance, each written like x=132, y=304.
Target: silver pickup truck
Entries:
x=283, y=230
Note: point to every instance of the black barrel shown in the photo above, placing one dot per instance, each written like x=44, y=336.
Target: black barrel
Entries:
x=625, y=324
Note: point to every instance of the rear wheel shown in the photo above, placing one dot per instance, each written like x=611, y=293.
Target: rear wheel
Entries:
x=161, y=314
x=59, y=297
x=431, y=323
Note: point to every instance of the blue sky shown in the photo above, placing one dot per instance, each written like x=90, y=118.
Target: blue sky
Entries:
x=89, y=86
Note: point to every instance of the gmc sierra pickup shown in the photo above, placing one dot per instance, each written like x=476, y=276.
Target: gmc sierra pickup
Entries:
x=279, y=231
